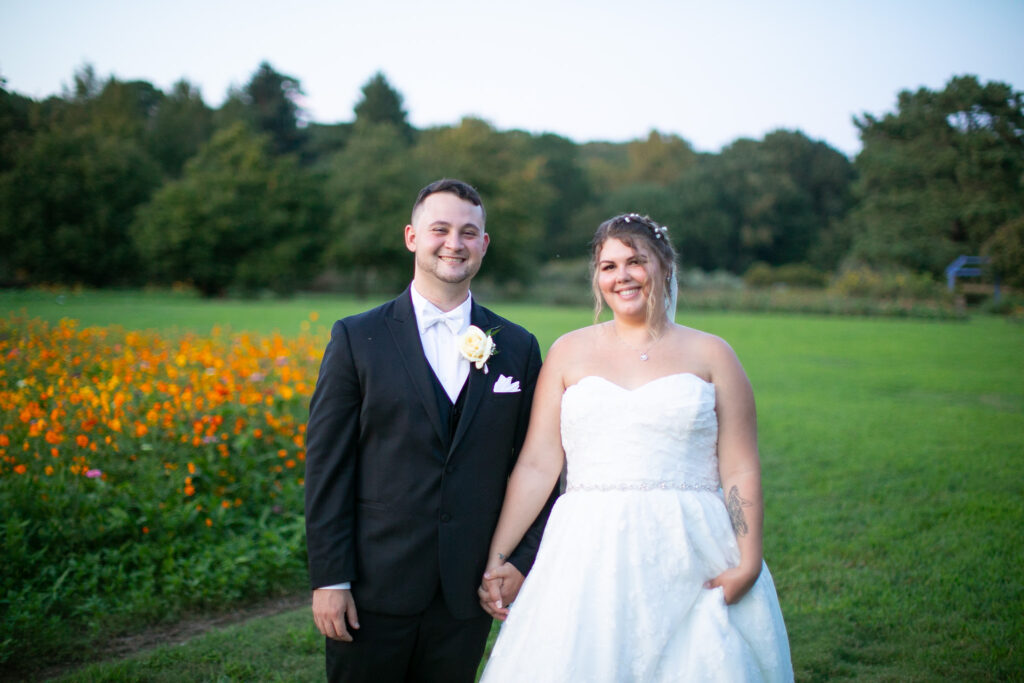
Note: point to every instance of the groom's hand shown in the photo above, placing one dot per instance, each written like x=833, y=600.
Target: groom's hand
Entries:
x=500, y=587
x=332, y=608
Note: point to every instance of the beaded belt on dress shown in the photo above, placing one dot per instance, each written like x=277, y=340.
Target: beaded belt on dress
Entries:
x=644, y=486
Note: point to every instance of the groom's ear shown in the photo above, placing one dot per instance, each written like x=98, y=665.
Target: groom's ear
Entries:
x=410, y=238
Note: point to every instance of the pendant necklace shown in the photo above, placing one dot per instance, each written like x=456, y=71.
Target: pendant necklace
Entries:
x=643, y=353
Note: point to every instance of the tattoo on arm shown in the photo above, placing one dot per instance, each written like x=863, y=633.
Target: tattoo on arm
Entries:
x=735, y=504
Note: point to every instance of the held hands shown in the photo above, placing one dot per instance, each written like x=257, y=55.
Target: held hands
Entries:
x=331, y=609
x=735, y=582
x=499, y=588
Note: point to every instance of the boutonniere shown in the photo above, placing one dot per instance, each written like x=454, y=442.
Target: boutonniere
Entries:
x=478, y=346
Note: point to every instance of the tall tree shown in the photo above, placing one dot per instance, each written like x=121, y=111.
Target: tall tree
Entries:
x=66, y=206
x=16, y=125
x=562, y=171
x=383, y=104
x=368, y=187
x=660, y=159
x=180, y=125
x=940, y=175
x=239, y=218
x=271, y=102
x=506, y=170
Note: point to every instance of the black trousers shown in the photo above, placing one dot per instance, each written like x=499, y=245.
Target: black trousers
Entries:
x=431, y=647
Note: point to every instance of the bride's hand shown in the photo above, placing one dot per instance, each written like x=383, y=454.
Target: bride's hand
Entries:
x=735, y=582
x=499, y=587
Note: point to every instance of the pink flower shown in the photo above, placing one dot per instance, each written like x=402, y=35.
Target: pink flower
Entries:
x=92, y=474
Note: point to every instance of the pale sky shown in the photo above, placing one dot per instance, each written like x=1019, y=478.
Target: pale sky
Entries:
x=708, y=71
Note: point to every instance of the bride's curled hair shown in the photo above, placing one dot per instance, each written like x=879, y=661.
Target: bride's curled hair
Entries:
x=640, y=233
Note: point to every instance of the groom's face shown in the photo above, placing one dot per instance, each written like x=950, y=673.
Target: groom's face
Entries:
x=447, y=235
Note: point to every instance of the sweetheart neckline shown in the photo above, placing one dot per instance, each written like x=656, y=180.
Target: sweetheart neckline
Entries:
x=641, y=386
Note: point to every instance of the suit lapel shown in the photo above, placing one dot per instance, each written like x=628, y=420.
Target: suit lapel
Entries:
x=402, y=325
x=478, y=381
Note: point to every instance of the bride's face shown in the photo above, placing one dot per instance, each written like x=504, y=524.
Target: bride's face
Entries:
x=624, y=278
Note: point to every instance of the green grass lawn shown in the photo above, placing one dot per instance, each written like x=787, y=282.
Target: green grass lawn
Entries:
x=893, y=459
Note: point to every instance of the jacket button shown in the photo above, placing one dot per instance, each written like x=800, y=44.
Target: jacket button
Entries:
x=445, y=517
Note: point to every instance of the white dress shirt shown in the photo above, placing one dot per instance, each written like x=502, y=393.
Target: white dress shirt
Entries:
x=439, y=346
x=439, y=340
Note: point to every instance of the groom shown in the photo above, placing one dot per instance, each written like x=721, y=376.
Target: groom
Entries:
x=409, y=447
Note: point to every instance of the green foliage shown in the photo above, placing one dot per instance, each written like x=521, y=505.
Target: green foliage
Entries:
x=939, y=176
x=382, y=104
x=144, y=476
x=562, y=171
x=859, y=280
x=791, y=274
x=180, y=125
x=1005, y=250
x=771, y=201
x=238, y=218
x=368, y=188
x=504, y=168
x=67, y=205
x=16, y=127
x=270, y=105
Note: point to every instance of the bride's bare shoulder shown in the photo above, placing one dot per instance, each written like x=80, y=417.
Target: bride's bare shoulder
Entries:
x=572, y=345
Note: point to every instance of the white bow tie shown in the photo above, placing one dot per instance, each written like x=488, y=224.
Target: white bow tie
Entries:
x=452, y=320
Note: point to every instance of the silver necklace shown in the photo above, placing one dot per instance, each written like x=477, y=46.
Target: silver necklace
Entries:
x=643, y=353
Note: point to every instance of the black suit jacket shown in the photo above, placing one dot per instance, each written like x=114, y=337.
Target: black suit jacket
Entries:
x=394, y=503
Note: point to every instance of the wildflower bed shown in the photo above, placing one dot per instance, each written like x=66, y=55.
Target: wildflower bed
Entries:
x=144, y=475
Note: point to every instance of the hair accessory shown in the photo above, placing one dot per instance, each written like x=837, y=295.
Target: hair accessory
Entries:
x=657, y=232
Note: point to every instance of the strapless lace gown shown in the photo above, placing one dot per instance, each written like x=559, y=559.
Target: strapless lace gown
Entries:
x=616, y=592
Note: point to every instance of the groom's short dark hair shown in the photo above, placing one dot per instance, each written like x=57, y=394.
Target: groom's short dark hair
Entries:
x=458, y=188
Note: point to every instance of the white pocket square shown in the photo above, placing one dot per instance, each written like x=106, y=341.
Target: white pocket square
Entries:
x=505, y=385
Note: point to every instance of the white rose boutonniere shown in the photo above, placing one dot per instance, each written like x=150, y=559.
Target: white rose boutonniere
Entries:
x=477, y=346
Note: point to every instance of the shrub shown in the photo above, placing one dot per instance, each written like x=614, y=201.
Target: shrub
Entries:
x=863, y=281
x=791, y=274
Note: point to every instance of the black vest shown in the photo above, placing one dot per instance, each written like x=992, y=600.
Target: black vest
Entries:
x=450, y=412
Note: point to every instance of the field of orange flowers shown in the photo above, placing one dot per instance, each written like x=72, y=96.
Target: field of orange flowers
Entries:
x=143, y=475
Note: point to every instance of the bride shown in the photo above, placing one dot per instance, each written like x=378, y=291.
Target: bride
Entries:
x=650, y=568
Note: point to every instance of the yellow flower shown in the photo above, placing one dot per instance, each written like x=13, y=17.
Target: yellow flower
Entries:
x=477, y=346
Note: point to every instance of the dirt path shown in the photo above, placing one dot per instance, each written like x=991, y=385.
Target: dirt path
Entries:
x=120, y=647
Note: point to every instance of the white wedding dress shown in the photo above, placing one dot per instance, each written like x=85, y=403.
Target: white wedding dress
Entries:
x=616, y=592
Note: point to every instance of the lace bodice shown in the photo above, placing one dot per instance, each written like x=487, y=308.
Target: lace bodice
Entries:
x=663, y=434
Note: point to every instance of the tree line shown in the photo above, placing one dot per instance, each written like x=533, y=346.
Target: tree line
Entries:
x=117, y=183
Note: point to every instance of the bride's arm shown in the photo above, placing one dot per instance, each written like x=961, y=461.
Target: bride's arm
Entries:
x=739, y=468
x=536, y=471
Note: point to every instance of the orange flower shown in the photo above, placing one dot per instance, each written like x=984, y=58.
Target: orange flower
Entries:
x=189, y=490
x=225, y=504
x=4, y=440
x=20, y=469
x=209, y=522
